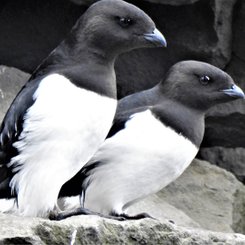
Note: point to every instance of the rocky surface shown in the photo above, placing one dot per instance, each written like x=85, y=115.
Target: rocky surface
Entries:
x=173, y=2
x=226, y=122
x=94, y=230
x=231, y=159
x=210, y=196
x=30, y=30
x=11, y=81
x=205, y=197
x=157, y=207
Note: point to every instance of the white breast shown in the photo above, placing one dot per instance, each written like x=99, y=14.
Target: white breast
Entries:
x=61, y=132
x=139, y=160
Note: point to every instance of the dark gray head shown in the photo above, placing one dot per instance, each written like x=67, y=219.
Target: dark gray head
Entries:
x=199, y=85
x=107, y=29
x=115, y=26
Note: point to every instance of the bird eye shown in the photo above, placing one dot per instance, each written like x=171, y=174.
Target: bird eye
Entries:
x=205, y=80
x=125, y=22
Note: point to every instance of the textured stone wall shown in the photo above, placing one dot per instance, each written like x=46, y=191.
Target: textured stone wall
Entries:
x=206, y=30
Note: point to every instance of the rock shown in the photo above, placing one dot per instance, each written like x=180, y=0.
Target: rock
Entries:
x=210, y=196
x=204, y=196
x=222, y=24
x=83, y=2
x=169, y=2
x=173, y=2
x=231, y=159
x=30, y=30
x=239, y=31
x=226, y=131
x=11, y=81
x=95, y=230
x=225, y=124
x=158, y=208
x=227, y=109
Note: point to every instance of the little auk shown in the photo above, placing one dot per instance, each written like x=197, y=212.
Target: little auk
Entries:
x=155, y=136
x=63, y=113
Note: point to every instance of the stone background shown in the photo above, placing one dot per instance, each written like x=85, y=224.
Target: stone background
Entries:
x=206, y=30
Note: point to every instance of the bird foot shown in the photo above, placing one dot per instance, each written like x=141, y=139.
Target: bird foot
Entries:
x=54, y=215
x=134, y=217
x=60, y=215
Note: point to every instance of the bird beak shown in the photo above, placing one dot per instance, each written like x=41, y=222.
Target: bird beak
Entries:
x=156, y=37
x=234, y=91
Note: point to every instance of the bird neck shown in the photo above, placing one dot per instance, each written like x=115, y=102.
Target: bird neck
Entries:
x=84, y=66
x=184, y=120
x=74, y=52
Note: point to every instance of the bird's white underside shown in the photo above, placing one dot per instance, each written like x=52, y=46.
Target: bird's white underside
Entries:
x=62, y=131
x=140, y=160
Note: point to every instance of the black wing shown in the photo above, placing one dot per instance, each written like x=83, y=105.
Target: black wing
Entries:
x=130, y=105
x=121, y=118
x=74, y=186
x=10, y=130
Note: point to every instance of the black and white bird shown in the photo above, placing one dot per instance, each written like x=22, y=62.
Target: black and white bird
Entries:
x=155, y=136
x=64, y=112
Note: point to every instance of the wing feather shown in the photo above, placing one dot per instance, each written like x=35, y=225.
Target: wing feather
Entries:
x=10, y=130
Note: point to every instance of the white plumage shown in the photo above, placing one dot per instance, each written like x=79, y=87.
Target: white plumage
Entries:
x=56, y=141
x=138, y=162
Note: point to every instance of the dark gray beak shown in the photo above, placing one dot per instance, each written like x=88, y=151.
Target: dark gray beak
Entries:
x=234, y=91
x=157, y=38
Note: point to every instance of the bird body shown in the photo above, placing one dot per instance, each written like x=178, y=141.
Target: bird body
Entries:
x=141, y=162
x=64, y=112
x=155, y=135
x=49, y=149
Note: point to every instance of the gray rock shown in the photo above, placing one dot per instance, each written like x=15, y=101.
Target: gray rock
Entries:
x=94, y=230
x=30, y=30
x=11, y=81
x=173, y=2
x=83, y=2
x=210, y=196
x=225, y=124
x=239, y=31
x=160, y=209
x=231, y=159
x=224, y=110
x=226, y=131
x=223, y=11
x=169, y=2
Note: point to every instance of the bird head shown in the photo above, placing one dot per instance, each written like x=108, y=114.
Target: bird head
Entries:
x=115, y=26
x=200, y=85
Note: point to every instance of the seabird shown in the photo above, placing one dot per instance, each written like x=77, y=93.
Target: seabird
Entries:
x=64, y=112
x=155, y=136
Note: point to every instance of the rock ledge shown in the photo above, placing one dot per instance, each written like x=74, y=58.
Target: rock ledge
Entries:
x=95, y=230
